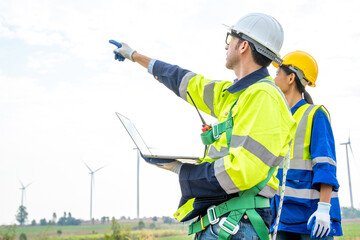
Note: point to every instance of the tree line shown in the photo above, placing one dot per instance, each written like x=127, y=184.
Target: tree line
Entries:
x=348, y=212
x=66, y=219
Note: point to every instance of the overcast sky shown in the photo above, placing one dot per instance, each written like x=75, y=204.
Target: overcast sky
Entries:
x=60, y=88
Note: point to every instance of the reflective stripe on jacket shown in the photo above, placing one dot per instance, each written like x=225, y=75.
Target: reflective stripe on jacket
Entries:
x=262, y=130
x=308, y=169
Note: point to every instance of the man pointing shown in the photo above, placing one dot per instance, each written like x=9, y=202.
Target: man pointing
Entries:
x=229, y=190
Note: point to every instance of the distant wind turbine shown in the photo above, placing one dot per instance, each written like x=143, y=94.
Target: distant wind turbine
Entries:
x=91, y=186
x=23, y=188
x=348, y=166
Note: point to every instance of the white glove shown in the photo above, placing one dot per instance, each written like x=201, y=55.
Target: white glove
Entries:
x=319, y=221
x=123, y=49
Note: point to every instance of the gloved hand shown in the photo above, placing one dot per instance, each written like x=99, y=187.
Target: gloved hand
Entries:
x=319, y=221
x=123, y=51
x=168, y=164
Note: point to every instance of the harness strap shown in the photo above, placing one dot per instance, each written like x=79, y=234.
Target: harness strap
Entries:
x=237, y=207
x=215, y=132
x=217, y=129
x=235, y=203
x=233, y=220
x=255, y=219
x=258, y=223
x=230, y=224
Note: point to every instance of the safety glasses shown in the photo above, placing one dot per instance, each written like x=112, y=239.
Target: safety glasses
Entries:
x=229, y=38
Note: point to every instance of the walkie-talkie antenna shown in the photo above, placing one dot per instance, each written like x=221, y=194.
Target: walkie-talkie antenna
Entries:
x=205, y=127
x=202, y=119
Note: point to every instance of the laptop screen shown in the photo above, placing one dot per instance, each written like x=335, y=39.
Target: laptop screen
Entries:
x=134, y=134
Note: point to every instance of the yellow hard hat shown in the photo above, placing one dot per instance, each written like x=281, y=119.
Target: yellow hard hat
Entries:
x=304, y=66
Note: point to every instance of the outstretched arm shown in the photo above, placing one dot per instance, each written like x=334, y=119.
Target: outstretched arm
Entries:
x=177, y=79
x=141, y=59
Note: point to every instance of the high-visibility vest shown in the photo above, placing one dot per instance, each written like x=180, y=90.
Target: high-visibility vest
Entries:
x=300, y=198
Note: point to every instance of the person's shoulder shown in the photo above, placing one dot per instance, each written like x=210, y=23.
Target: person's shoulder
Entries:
x=322, y=113
x=266, y=88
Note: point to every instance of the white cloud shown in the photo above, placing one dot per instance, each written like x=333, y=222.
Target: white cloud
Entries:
x=45, y=62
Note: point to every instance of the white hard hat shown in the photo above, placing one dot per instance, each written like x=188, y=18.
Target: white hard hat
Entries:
x=264, y=31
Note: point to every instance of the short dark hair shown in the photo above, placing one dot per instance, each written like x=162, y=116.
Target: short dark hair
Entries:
x=258, y=58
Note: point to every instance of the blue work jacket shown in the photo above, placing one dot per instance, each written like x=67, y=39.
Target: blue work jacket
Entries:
x=302, y=188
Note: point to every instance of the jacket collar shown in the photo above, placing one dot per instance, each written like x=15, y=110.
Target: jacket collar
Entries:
x=248, y=80
x=296, y=106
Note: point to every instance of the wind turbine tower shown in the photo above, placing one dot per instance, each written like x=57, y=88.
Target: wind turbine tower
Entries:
x=348, y=167
x=138, y=183
x=91, y=186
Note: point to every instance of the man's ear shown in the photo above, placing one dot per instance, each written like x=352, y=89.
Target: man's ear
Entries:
x=243, y=46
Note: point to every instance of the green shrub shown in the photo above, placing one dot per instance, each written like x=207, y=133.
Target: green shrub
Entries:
x=8, y=233
x=152, y=226
x=141, y=225
x=22, y=236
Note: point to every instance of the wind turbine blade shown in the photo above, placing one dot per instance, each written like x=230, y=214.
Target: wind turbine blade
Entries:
x=352, y=153
x=21, y=184
x=88, y=167
x=99, y=169
x=28, y=185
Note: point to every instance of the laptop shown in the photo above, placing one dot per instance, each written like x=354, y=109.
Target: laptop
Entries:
x=143, y=148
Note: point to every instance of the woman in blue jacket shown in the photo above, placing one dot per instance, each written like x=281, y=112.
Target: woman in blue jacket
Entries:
x=311, y=206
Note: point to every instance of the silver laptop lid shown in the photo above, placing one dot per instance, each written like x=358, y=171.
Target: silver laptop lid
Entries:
x=135, y=135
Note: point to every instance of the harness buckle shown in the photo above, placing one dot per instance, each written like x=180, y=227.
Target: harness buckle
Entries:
x=212, y=215
x=228, y=226
x=215, y=130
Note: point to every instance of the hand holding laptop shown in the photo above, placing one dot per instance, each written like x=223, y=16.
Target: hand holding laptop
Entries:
x=168, y=164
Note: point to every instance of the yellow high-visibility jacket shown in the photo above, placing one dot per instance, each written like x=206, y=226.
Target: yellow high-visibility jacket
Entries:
x=262, y=131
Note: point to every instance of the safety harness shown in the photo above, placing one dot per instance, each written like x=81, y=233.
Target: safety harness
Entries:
x=245, y=203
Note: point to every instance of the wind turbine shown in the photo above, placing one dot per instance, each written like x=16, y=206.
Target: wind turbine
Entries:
x=23, y=192
x=91, y=186
x=348, y=167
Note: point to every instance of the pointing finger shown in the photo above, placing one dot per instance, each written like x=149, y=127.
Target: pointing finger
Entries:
x=119, y=45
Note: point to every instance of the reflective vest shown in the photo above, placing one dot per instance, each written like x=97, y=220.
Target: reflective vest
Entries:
x=301, y=198
x=262, y=130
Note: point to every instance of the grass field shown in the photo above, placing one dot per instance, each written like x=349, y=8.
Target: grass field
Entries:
x=52, y=229
x=99, y=231
x=160, y=231
x=351, y=230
